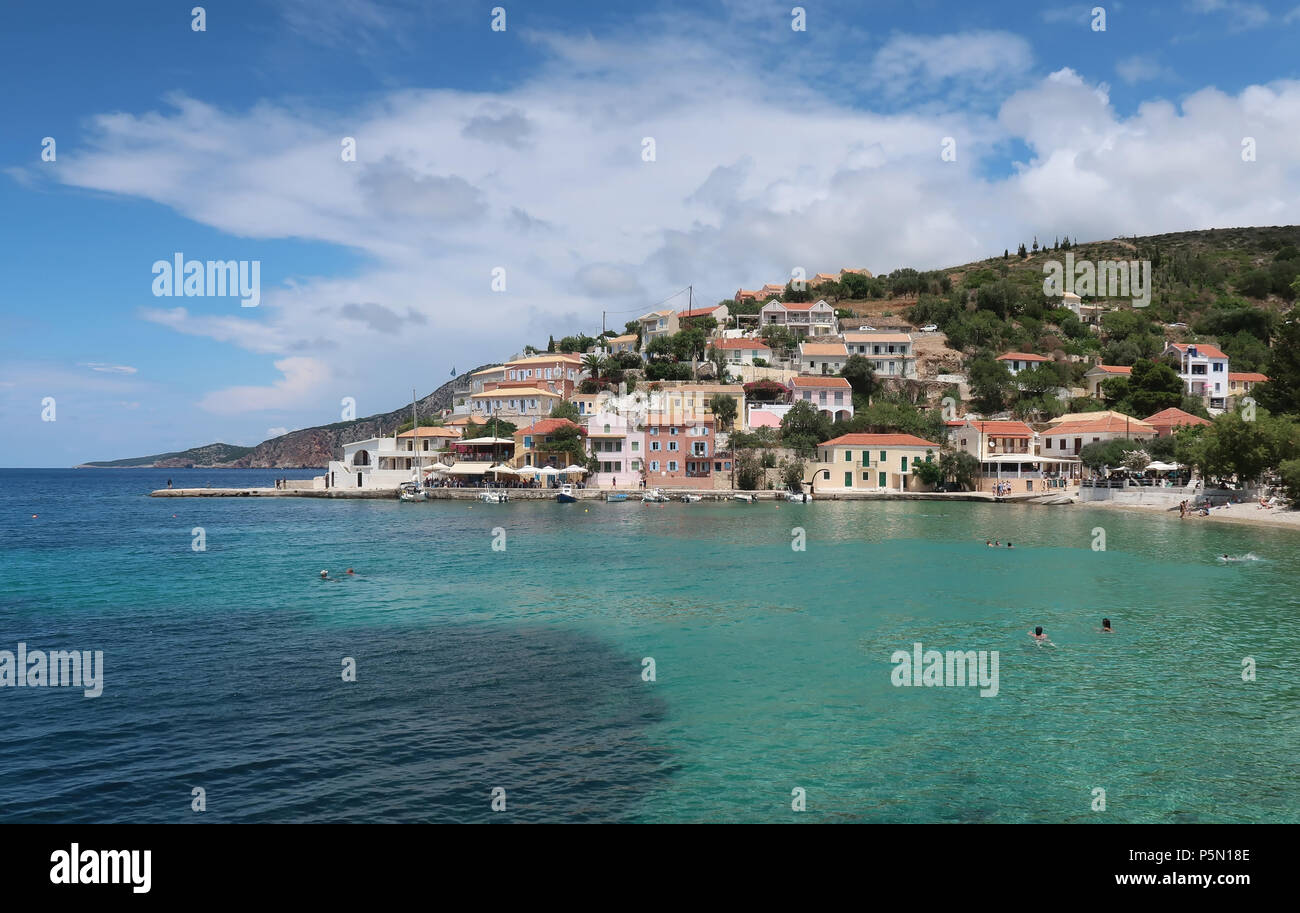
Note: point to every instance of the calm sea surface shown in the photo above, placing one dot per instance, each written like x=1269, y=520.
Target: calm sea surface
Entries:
x=521, y=669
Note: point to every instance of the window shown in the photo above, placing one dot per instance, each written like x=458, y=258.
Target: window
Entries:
x=654, y=465
x=1218, y=366
x=1047, y=443
x=636, y=445
x=528, y=442
x=839, y=398
x=654, y=432
x=672, y=429
x=607, y=429
x=672, y=465
x=848, y=456
x=654, y=446
x=882, y=456
x=672, y=445
x=636, y=464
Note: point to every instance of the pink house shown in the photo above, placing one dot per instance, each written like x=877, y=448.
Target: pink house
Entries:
x=613, y=440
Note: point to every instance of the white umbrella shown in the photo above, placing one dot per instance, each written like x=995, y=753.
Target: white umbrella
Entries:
x=572, y=468
x=549, y=471
x=439, y=466
x=1158, y=466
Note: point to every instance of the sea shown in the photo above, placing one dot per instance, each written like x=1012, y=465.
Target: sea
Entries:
x=593, y=662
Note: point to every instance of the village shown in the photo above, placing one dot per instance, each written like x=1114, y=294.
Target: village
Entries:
x=704, y=402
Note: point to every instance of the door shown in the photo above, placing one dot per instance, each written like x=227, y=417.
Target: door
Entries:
x=848, y=480
x=358, y=480
x=883, y=481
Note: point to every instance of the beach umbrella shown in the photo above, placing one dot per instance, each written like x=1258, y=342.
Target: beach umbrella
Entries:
x=572, y=468
x=549, y=471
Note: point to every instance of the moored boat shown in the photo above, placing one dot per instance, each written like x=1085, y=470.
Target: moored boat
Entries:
x=654, y=496
x=743, y=497
x=613, y=497
x=690, y=499
x=565, y=495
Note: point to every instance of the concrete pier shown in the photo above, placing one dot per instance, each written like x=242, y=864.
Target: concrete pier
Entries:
x=584, y=494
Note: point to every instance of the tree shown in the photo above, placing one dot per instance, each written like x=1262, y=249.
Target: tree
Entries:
x=792, y=474
x=990, y=382
x=1152, y=386
x=594, y=364
x=929, y=472
x=749, y=472
x=566, y=409
x=860, y=375
x=803, y=428
x=1281, y=393
x=550, y=344
x=1245, y=449
x=724, y=410
x=959, y=468
x=1289, y=473
x=1105, y=454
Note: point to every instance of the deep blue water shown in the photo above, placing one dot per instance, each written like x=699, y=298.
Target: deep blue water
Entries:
x=521, y=669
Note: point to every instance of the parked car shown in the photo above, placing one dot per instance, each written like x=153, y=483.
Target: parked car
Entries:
x=1176, y=326
x=929, y=328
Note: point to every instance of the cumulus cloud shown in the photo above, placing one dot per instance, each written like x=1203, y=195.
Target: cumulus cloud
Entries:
x=748, y=182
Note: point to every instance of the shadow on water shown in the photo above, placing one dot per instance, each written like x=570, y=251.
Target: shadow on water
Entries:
x=257, y=714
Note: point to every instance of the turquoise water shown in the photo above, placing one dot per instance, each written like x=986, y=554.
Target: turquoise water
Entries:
x=521, y=669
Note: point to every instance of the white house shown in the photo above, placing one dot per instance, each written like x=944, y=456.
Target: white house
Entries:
x=1019, y=361
x=890, y=354
x=742, y=351
x=614, y=441
x=656, y=324
x=822, y=357
x=802, y=318
x=1204, y=369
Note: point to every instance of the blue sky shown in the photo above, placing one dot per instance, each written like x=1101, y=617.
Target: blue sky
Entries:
x=522, y=150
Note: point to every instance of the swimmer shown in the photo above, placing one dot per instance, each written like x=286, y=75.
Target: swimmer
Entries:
x=1039, y=637
x=988, y=542
x=1009, y=545
x=1105, y=626
x=997, y=543
x=324, y=575
x=351, y=573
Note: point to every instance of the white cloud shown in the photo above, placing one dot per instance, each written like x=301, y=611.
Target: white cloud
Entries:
x=752, y=177
x=301, y=382
x=103, y=368
x=1141, y=68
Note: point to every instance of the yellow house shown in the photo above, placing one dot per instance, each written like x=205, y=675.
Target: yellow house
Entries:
x=870, y=462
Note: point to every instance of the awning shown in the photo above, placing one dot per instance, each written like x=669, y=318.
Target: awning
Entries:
x=486, y=441
x=1158, y=466
x=469, y=469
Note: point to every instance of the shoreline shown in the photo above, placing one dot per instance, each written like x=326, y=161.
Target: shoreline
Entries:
x=1246, y=514
x=587, y=494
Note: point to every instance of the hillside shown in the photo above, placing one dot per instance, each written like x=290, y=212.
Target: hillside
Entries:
x=306, y=448
x=207, y=455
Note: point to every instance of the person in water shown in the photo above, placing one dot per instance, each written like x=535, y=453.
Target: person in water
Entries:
x=1040, y=637
x=324, y=575
x=351, y=573
x=1105, y=626
x=1009, y=545
x=988, y=542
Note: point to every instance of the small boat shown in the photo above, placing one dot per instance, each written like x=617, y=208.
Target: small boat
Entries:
x=565, y=495
x=493, y=497
x=748, y=499
x=613, y=497
x=798, y=497
x=654, y=496
x=409, y=491
x=691, y=499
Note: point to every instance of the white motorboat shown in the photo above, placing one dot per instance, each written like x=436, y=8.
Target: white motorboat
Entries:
x=798, y=497
x=492, y=497
x=691, y=499
x=654, y=496
x=743, y=497
x=410, y=491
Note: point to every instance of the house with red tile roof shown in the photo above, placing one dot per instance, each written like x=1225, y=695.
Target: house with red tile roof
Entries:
x=1009, y=455
x=718, y=312
x=531, y=443
x=1240, y=383
x=803, y=318
x=1066, y=439
x=870, y=462
x=683, y=454
x=742, y=351
x=830, y=395
x=1019, y=361
x=822, y=357
x=1167, y=421
x=1204, y=369
x=1099, y=374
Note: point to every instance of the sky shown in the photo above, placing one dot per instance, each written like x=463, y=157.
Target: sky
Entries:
x=577, y=161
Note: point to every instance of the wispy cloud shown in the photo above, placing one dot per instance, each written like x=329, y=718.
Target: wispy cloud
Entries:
x=107, y=368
